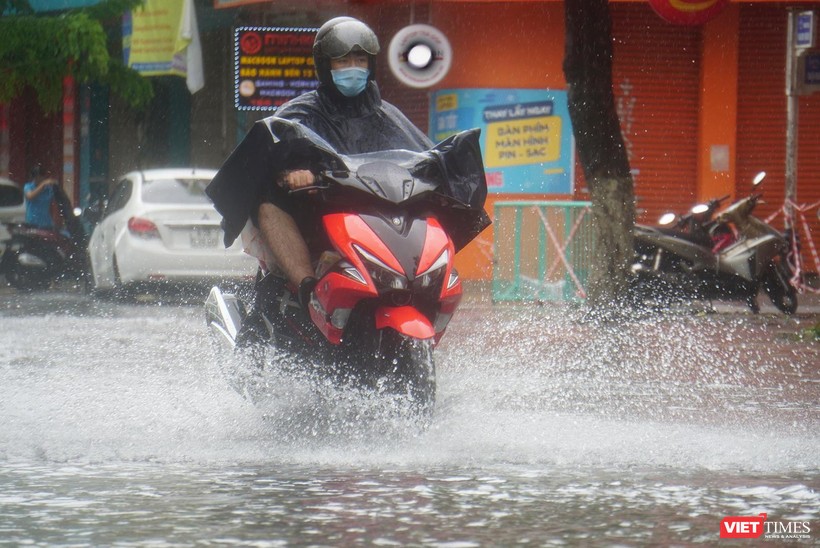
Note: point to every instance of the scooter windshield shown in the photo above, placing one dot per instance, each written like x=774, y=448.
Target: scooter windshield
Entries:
x=451, y=174
x=454, y=166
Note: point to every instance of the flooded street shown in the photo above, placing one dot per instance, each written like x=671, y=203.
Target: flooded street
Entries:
x=116, y=428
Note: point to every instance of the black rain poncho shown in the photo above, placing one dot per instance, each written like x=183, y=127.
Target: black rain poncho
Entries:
x=361, y=125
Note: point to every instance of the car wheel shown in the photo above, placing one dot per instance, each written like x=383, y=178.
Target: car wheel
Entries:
x=94, y=288
x=86, y=275
x=118, y=289
x=116, y=269
x=113, y=291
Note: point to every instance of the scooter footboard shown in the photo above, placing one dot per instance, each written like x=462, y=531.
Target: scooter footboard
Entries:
x=405, y=320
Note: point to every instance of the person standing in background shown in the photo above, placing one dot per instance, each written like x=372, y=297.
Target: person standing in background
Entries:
x=39, y=193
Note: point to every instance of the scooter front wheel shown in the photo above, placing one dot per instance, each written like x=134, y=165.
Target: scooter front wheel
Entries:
x=419, y=373
x=404, y=366
x=779, y=290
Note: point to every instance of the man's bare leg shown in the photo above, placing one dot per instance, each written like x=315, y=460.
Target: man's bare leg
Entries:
x=282, y=236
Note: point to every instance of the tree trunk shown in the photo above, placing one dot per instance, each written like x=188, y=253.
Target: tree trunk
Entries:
x=601, y=150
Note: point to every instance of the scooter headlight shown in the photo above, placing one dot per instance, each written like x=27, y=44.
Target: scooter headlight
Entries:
x=436, y=271
x=385, y=277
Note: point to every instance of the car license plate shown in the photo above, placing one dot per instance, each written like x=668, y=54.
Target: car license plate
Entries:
x=204, y=237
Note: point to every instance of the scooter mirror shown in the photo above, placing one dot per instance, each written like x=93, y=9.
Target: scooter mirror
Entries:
x=667, y=219
x=759, y=178
x=700, y=208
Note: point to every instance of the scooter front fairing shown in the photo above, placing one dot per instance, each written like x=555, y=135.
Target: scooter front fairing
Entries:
x=401, y=263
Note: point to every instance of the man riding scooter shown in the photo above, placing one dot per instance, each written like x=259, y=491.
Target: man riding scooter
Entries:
x=342, y=180
x=347, y=111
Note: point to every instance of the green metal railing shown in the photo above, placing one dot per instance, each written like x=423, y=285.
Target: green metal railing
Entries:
x=542, y=250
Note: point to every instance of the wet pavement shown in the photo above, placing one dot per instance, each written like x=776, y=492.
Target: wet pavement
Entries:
x=119, y=430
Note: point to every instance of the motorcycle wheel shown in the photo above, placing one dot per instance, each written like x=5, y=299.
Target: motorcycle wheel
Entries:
x=27, y=279
x=405, y=367
x=779, y=290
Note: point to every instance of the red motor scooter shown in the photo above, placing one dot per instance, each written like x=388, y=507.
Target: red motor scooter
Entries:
x=386, y=286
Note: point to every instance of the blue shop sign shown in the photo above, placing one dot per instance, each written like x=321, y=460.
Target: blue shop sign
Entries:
x=58, y=5
x=805, y=30
x=526, y=135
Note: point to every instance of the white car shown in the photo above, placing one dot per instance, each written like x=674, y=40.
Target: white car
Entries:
x=160, y=226
x=12, y=203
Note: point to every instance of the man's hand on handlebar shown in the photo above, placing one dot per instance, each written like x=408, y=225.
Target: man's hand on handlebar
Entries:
x=302, y=181
x=296, y=179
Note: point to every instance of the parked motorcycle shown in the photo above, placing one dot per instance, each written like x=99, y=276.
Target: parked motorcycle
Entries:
x=742, y=255
x=33, y=257
x=699, y=225
x=387, y=288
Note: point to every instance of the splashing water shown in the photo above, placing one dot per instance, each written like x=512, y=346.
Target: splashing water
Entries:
x=513, y=385
x=536, y=412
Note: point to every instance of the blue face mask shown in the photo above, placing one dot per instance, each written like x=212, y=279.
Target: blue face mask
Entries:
x=350, y=81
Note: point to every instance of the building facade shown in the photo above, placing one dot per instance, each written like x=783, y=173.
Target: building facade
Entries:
x=702, y=108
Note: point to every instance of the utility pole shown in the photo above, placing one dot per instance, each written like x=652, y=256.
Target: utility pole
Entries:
x=802, y=78
x=792, y=119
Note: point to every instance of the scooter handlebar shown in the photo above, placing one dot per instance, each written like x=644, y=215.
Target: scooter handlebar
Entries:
x=307, y=189
x=323, y=181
